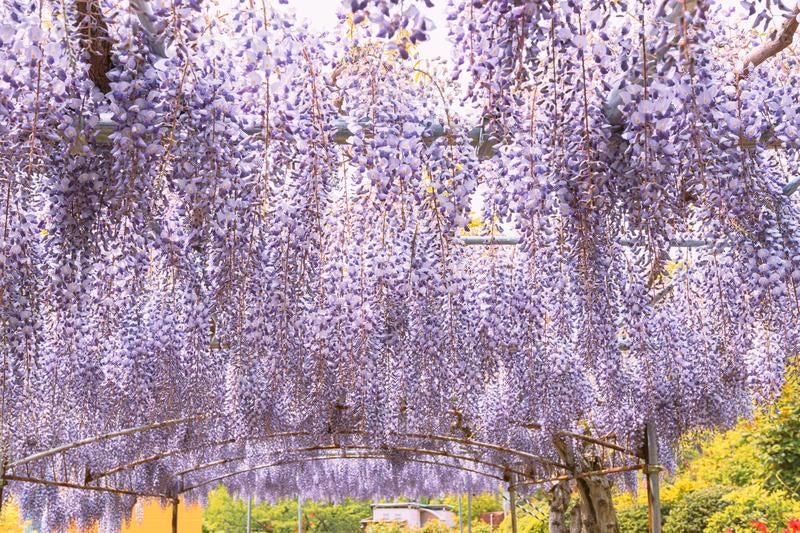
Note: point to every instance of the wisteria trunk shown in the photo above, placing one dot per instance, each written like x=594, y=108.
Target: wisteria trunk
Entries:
x=595, y=513
x=559, y=502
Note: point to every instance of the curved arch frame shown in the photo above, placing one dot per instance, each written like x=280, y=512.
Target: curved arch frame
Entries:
x=365, y=449
x=158, y=425
x=104, y=436
x=388, y=448
x=327, y=458
x=162, y=455
x=368, y=452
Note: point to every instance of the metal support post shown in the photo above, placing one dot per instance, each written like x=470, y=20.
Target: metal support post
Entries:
x=460, y=516
x=3, y=478
x=175, y=515
x=469, y=505
x=652, y=470
x=299, y=514
x=512, y=504
x=249, y=511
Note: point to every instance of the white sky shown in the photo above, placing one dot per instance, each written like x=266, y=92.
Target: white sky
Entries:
x=322, y=15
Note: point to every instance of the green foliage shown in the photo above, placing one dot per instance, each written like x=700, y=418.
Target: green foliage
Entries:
x=532, y=521
x=481, y=503
x=753, y=503
x=479, y=527
x=434, y=526
x=730, y=459
x=632, y=508
x=751, y=472
x=780, y=444
x=632, y=519
x=342, y=518
x=10, y=519
x=280, y=517
x=690, y=514
x=525, y=524
x=225, y=514
x=385, y=528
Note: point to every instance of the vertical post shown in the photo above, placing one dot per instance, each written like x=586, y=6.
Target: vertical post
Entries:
x=3, y=478
x=249, y=511
x=175, y=515
x=469, y=505
x=299, y=514
x=652, y=469
x=512, y=504
x=460, y=517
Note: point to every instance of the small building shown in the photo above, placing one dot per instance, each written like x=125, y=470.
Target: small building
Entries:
x=494, y=519
x=411, y=515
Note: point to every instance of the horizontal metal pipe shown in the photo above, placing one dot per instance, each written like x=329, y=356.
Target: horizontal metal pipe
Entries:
x=579, y=475
x=75, y=486
x=477, y=138
x=509, y=240
x=599, y=442
x=104, y=436
x=481, y=240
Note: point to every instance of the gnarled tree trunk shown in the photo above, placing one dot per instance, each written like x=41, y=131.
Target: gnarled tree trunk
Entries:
x=559, y=502
x=595, y=513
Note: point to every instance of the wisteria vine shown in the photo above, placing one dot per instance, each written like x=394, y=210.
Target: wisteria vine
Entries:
x=223, y=215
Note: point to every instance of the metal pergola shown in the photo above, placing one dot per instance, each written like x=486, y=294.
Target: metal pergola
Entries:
x=512, y=467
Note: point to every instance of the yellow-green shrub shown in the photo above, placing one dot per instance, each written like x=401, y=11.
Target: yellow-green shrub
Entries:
x=525, y=524
x=691, y=513
x=753, y=503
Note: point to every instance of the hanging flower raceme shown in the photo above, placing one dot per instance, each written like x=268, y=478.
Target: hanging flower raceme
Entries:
x=233, y=249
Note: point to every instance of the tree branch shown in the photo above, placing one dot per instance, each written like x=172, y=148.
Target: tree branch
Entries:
x=770, y=48
x=95, y=40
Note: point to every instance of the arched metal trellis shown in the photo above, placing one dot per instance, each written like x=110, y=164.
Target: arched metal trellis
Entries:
x=506, y=470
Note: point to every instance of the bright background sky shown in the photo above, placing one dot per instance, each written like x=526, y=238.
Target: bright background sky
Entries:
x=321, y=14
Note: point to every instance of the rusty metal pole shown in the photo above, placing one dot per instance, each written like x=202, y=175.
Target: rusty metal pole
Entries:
x=469, y=505
x=2, y=487
x=460, y=515
x=652, y=471
x=175, y=515
x=3, y=468
x=512, y=500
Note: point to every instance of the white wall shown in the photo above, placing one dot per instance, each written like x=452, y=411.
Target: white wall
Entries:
x=445, y=517
x=411, y=516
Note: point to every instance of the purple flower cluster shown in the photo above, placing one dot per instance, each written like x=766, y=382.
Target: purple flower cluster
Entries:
x=259, y=226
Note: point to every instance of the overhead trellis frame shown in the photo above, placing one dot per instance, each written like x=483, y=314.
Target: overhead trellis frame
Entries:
x=158, y=425
x=484, y=144
x=512, y=477
x=501, y=471
x=344, y=448
x=410, y=435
